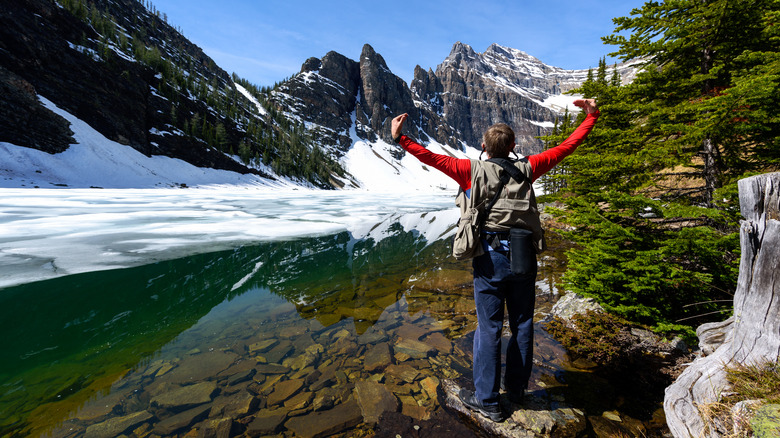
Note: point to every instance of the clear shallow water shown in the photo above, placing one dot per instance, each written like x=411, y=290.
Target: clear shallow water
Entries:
x=264, y=338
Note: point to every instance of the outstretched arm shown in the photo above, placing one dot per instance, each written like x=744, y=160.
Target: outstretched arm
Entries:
x=543, y=162
x=458, y=169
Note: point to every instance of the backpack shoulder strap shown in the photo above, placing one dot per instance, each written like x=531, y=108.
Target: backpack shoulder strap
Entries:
x=511, y=169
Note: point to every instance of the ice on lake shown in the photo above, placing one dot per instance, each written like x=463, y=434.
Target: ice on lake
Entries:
x=45, y=233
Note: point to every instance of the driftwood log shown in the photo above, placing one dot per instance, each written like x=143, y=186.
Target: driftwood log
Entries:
x=754, y=335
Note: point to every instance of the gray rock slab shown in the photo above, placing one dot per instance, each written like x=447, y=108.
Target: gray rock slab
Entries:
x=186, y=396
x=534, y=418
x=181, y=420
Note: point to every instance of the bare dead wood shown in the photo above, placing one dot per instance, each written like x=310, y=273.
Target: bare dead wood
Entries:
x=754, y=336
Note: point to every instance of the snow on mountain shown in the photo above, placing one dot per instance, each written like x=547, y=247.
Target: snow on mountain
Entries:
x=95, y=161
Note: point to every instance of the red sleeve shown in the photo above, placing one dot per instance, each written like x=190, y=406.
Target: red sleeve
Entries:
x=543, y=162
x=458, y=169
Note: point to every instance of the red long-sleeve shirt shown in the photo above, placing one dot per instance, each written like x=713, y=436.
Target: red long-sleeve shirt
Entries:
x=459, y=169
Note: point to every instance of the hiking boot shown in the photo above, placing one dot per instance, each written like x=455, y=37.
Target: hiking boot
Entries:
x=491, y=412
x=515, y=397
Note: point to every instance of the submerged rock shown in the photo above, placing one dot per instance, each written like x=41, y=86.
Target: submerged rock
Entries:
x=324, y=423
x=185, y=396
x=374, y=400
x=115, y=426
x=181, y=420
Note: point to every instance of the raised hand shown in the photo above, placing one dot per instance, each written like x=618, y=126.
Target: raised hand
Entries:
x=587, y=105
x=397, y=125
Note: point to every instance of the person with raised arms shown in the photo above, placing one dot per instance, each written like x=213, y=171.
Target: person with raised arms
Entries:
x=500, y=230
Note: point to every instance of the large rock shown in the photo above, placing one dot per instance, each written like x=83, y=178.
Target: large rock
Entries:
x=374, y=400
x=572, y=304
x=535, y=418
x=185, y=396
x=755, y=333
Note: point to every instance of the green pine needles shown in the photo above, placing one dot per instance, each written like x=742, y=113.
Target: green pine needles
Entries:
x=651, y=195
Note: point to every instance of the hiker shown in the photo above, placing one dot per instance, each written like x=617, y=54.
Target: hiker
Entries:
x=496, y=199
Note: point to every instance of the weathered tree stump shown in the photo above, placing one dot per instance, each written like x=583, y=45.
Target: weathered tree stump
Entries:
x=754, y=336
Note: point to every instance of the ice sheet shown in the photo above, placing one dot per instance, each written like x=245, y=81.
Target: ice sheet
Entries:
x=51, y=232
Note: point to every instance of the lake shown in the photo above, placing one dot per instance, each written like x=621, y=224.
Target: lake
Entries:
x=216, y=312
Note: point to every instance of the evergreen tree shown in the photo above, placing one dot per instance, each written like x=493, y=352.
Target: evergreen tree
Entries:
x=652, y=192
x=696, y=52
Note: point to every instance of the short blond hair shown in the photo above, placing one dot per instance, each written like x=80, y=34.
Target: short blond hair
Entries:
x=499, y=140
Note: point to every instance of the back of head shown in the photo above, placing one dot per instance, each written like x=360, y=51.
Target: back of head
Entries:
x=499, y=140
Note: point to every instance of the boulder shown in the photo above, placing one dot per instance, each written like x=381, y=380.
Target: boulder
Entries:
x=572, y=304
x=534, y=418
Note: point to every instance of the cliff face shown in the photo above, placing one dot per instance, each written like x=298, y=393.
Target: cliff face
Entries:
x=344, y=100
x=473, y=91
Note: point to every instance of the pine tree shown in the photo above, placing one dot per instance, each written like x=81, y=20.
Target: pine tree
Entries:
x=695, y=51
x=652, y=192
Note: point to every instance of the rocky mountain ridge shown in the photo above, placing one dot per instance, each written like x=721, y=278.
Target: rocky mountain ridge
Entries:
x=454, y=105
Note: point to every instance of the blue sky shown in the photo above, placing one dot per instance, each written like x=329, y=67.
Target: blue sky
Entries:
x=267, y=41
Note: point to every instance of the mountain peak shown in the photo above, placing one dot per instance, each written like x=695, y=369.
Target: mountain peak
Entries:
x=369, y=54
x=462, y=49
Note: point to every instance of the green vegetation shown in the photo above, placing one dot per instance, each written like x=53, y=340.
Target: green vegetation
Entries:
x=596, y=336
x=204, y=103
x=652, y=193
x=756, y=384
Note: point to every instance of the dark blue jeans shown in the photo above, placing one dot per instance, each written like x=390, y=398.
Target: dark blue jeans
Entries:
x=494, y=286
